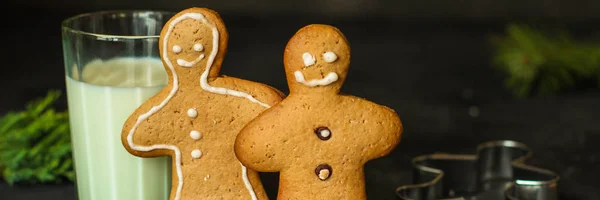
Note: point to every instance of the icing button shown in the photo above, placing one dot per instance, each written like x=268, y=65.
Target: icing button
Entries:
x=195, y=135
x=323, y=133
x=192, y=112
x=196, y=153
x=323, y=172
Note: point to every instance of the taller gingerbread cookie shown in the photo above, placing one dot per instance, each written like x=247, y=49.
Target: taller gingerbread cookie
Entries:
x=318, y=139
x=197, y=116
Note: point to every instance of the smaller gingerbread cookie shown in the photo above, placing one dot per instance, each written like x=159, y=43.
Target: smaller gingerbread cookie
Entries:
x=318, y=139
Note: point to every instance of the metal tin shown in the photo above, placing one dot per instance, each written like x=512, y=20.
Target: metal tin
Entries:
x=497, y=171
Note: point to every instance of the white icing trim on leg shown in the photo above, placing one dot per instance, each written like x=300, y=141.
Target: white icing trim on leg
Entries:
x=247, y=182
x=219, y=90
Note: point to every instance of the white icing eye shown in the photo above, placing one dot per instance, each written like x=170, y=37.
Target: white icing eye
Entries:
x=177, y=49
x=198, y=47
x=308, y=59
x=329, y=56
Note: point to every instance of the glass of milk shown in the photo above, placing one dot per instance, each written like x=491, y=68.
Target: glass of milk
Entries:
x=112, y=66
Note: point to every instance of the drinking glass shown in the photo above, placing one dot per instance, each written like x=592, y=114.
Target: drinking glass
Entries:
x=112, y=65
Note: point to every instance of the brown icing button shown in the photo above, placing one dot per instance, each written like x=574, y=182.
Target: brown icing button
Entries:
x=323, y=171
x=323, y=133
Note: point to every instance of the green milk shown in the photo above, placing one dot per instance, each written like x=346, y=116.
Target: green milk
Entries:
x=100, y=98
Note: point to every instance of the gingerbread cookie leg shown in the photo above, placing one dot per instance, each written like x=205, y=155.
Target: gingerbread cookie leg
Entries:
x=196, y=118
x=318, y=139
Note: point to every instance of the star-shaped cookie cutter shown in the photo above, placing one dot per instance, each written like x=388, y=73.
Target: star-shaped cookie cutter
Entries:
x=496, y=171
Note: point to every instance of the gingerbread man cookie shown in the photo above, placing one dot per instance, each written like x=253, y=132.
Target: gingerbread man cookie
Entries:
x=197, y=116
x=317, y=138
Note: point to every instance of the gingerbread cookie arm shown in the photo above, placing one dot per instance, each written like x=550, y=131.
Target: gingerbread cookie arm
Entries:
x=280, y=93
x=379, y=126
x=392, y=132
x=128, y=128
x=387, y=129
x=131, y=128
x=261, y=92
x=255, y=145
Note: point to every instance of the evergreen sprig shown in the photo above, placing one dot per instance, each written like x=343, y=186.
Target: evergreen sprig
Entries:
x=545, y=63
x=35, y=144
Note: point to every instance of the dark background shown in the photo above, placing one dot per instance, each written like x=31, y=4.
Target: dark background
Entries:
x=429, y=60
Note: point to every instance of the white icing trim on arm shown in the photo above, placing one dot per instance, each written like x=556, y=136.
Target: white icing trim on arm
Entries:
x=330, y=78
x=219, y=90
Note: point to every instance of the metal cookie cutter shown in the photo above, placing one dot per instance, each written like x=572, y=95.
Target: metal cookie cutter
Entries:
x=498, y=171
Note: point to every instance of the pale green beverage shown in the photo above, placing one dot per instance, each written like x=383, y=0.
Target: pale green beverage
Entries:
x=100, y=99
x=112, y=66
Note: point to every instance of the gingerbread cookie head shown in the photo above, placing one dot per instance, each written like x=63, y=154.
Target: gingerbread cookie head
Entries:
x=192, y=41
x=316, y=59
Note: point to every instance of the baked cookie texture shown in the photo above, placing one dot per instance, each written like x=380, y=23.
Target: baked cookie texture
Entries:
x=196, y=117
x=317, y=138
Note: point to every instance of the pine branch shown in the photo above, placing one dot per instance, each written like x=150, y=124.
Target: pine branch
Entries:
x=543, y=63
x=35, y=144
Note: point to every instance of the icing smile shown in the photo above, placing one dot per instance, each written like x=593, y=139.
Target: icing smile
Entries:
x=330, y=78
x=185, y=63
